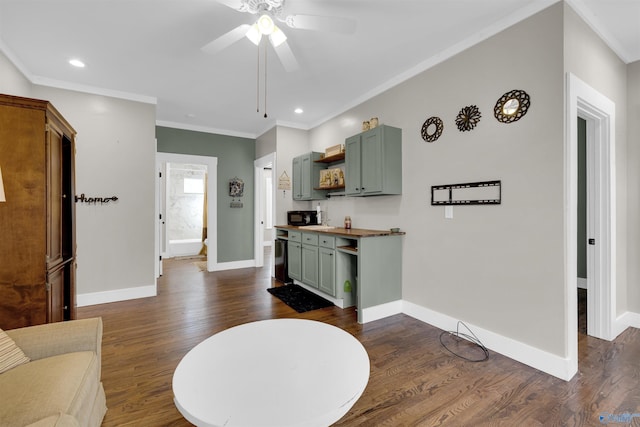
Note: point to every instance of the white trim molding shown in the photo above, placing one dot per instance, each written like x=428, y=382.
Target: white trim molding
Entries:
x=381, y=311
x=599, y=112
x=552, y=364
x=94, y=298
x=234, y=265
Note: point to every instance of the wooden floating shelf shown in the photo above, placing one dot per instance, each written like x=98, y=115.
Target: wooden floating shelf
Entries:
x=331, y=159
x=337, y=187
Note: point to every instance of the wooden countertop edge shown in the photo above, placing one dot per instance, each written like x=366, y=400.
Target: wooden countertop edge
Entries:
x=351, y=232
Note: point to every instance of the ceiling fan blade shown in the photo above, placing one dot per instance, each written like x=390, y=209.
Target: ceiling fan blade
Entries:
x=286, y=56
x=322, y=23
x=226, y=40
x=233, y=4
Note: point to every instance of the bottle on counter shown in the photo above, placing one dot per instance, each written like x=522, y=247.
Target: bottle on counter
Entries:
x=347, y=222
x=319, y=214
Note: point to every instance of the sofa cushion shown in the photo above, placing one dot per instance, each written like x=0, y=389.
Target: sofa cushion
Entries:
x=10, y=354
x=63, y=384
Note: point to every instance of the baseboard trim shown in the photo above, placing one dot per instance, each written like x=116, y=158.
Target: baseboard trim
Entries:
x=546, y=362
x=234, y=265
x=94, y=298
x=381, y=311
x=627, y=320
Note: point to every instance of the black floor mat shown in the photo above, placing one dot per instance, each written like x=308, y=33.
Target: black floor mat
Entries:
x=298, y=298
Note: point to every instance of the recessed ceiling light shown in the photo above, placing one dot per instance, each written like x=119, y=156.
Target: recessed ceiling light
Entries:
x=298, y=111
x=76, y=63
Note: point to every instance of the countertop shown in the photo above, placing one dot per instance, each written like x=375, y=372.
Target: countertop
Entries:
x=338, y=231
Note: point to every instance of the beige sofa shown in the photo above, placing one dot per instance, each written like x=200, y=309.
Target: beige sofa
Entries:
x=61, y=385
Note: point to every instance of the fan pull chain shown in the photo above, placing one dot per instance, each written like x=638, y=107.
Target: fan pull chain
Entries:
x=265, y=80
x=258, y=82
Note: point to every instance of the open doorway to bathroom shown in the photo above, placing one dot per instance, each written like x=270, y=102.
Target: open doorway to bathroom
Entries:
x=187, y=208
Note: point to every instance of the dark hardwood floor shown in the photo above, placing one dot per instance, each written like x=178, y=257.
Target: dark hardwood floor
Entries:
x=414, y=381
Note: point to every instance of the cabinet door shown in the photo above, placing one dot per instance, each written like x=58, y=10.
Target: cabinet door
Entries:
x=55, y=295
x=310, y=265
x=371, y=162
x=54, y=196
x=306, y=177
x=295, y=260
x=327, y=270
x=352, y=165
x=297, y=178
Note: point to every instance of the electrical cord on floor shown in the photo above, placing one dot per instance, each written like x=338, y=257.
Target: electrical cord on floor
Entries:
x=471, y=338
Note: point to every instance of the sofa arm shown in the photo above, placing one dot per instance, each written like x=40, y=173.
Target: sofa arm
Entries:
x=52, y=339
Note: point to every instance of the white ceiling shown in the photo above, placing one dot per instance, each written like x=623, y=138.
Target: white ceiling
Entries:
x=150, y=50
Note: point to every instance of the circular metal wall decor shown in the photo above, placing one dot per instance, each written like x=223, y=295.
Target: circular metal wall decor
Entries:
x=432, y=129
x=468, y=118
x=512, y=106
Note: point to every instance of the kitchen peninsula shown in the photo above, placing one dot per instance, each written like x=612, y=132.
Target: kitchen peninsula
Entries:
x=347, y=266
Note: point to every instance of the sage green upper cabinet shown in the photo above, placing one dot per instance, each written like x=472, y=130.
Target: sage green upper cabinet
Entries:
x=373, y=162
x=306, y=177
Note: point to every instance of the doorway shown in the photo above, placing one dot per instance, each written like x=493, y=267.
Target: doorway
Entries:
x=187, y=204
x=264, y=210
x=598, y=113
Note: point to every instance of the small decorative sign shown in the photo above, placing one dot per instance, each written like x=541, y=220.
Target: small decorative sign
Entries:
x=284, y=182
x=95, y=200
x=236, y=189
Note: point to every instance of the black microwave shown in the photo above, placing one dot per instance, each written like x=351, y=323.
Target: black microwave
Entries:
x=302, y=218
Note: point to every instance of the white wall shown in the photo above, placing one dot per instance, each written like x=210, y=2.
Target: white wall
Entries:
x=12, y=81
x=497, y=267
x=115, y=156
x=290, y=143
x=633, y=189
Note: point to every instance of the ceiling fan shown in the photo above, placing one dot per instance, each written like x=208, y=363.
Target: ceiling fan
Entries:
x=270, y=11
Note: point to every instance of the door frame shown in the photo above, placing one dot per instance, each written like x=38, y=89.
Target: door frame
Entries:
x=212, y=201
x=268, y=160
x=599, y=112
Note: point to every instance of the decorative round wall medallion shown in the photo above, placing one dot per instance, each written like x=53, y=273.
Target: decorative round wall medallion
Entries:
x=512, y=106
x=432, y=129
x=468, y=118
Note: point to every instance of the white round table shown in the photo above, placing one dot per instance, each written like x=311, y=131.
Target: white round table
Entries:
x=279, y=373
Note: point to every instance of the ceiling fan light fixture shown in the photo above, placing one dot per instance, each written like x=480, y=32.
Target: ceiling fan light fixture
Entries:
x=277, y=37
x=254, y=34
x=266, y=25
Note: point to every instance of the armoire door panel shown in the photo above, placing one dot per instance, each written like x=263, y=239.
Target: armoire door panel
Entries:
x=54, y=196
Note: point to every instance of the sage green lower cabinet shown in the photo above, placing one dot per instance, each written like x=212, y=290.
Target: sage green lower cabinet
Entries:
x=294, y=260
x=327, y=270
x=379, y=272
x=294, y=254
x=310, y=265
x=349, y=270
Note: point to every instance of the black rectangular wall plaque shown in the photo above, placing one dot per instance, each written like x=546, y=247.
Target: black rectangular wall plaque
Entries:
x=470, y=193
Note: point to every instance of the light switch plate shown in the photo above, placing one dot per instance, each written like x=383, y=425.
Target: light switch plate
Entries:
x=448, y=212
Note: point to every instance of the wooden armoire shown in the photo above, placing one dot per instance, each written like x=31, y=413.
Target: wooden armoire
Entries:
x=37, y=220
